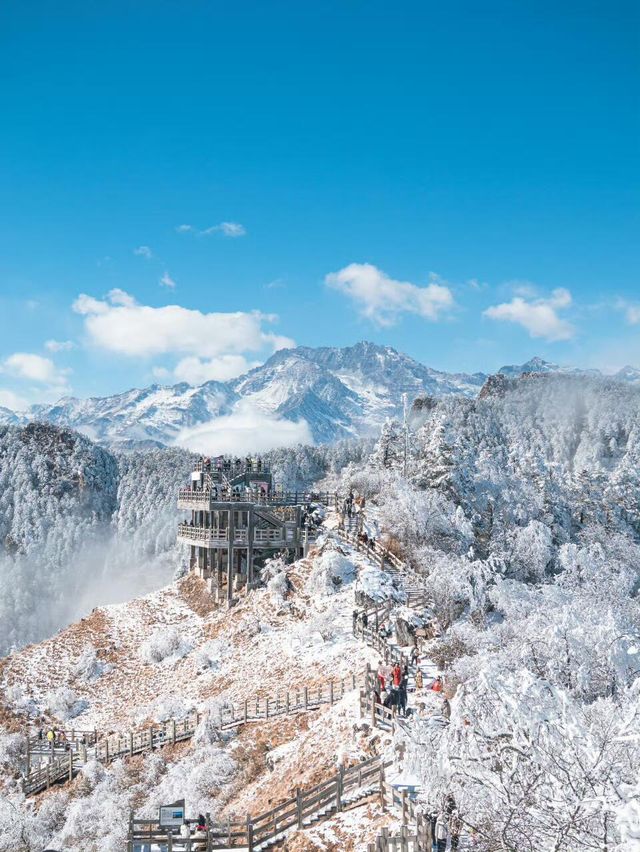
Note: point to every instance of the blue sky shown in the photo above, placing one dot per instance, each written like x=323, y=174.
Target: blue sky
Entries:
x=460, y=182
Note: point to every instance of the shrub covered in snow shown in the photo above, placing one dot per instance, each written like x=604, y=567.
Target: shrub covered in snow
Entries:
x=64, y=704
x=12, y=751
x=165, y=643
x=378, y=585
x=331, y=571
x=89, y=667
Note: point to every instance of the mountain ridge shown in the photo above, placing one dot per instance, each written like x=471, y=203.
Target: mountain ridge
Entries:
x=341, y=392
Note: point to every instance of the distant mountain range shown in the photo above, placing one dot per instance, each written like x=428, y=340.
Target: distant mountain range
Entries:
x=341, y=393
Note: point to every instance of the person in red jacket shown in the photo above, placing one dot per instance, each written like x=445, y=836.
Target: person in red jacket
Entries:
x=436, y=686
x=397, y=675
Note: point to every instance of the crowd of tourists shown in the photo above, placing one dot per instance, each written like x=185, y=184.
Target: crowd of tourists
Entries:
x=56, y=739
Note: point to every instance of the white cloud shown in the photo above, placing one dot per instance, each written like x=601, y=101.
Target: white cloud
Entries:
x=59, y=345
x=9, y=399
x=246, y=430
x=167, y=281
x=632, y=313
x=195, y=371
x=143, y=251
x=88, y=305
x=161, y=373
x=35, y=368
x=383, y=299
x=118, y=324
x=538, y=316
x=227, y=229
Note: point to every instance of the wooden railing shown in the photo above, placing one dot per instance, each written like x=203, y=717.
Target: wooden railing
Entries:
x=417, y=837
x=204, y=496
x=204, y=534
x=413, y=583
x=232, y=715
x=346, y=787
x=59, y=769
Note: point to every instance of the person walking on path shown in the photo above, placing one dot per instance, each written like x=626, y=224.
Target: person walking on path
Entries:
x=397, y=675
x=419, y=679
x=402, y=697
x=441, y=833
x=455, y=825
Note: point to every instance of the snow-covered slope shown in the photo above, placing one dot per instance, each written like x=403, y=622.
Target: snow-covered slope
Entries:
x=277, y=639
x=350, y=391
x=339, y=392
x=152, y=416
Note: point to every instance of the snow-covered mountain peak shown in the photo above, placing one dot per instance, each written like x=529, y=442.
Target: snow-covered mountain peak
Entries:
x=533, y=365
x=341, y=392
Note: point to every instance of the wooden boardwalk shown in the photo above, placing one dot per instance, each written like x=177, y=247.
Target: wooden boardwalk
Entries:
x=106, y=748
x=343, y=790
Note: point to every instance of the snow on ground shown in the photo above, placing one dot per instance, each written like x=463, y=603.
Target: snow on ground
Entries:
x=254, y=648
x=172, y=650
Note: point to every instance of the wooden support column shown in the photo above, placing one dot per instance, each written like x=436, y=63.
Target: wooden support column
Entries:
x=250, y=535
x=249, y=834
x=299, y=807
x=230, y=554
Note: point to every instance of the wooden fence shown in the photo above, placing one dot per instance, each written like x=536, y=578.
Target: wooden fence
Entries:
x=413, y=584
x=342, y=790
x=415, y=834
x=287, y=498
x=232, y=715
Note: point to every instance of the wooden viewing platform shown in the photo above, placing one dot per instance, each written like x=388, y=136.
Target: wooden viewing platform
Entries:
x=238, y=520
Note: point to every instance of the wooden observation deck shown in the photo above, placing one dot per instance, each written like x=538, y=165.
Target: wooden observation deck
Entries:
x=237, y=520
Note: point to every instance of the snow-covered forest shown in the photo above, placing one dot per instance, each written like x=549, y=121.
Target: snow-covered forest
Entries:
x=521, y=511
x=82, y=526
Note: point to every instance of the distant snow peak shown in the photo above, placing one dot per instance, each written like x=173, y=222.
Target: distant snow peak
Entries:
x=534, y=365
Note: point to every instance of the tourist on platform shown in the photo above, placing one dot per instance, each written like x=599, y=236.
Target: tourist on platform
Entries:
x=415, y=655
x=397, y=675
x=365, y=619
x=185, y=833
x=381, y=677
x=419, y=680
